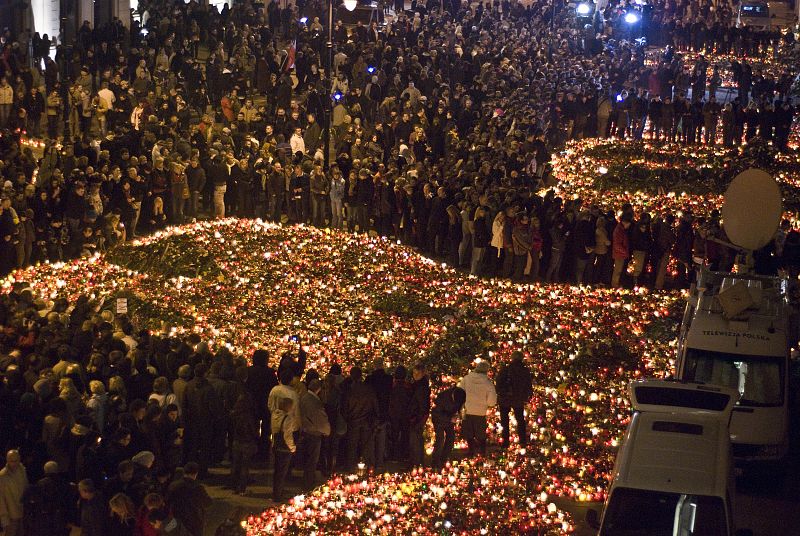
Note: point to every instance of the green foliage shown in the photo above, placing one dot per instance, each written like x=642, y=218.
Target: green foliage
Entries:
x=174, y=256
x=407, y=305
x=462, y=340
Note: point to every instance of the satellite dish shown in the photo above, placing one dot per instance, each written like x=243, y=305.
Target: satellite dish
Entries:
x=752, y=209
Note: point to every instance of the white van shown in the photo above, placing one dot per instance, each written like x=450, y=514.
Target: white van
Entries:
x=745, y=348
x=754, y=14
x=673, y=474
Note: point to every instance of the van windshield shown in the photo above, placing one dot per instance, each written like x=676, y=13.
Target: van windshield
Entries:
x=754, y=10
x=668, y=514
x=758, y=379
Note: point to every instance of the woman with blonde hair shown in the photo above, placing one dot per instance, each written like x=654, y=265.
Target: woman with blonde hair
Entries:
x=123, y=515
x=69, y=394
x=98, y=404
x=158, y=220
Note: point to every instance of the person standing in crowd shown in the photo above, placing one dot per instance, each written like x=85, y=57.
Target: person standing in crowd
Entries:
x=283, y=444
x=360, y=410
x=94, y=517
x=399, y=404
x=203, y=414
x=13, y=482
x=444, y=416
x=331, y=396
x=313, y=428
x=620, y=248
x=481, y=396
x=49, y=504
x=188, y=500
x=261, y=378
x=514, y=391
x=123, y=515
x=419, y=410
x=244, y=437
x=480, y=241
x=381, y=384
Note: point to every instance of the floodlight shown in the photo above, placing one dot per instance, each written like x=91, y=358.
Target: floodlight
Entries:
x=631, y=17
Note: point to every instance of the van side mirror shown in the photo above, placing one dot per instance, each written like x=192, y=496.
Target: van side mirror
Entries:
x=593, y=520
x=744, y=532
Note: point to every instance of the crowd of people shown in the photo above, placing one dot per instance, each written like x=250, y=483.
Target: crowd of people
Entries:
x=443, y=124
x=112, y=429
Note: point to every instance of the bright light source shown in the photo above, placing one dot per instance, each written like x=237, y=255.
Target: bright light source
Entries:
x=583, y=9
x=631, y=17
x=350, y=5
x=144, y=32
x=602, y=170
x=303, y=20
x=370, y=69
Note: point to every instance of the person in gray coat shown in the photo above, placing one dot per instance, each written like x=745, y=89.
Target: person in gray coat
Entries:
x=314, y=425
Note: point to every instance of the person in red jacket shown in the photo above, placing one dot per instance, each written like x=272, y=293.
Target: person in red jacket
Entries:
x=620, y=248
x=536, y=250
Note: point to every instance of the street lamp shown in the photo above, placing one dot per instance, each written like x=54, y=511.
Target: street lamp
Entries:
x=350, y=5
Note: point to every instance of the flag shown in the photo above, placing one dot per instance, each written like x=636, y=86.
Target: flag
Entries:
x=290, y=53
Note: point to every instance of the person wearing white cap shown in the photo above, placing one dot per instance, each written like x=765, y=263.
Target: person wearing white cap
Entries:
x=481, y=396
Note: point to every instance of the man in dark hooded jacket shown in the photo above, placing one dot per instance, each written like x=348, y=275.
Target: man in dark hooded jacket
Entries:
x=444, y=415
x=514, y=390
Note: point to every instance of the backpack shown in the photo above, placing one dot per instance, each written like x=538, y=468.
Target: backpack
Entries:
x=278, y=440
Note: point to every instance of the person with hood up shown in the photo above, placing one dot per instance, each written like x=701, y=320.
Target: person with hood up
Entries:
x=444, y=415
x=514, y=391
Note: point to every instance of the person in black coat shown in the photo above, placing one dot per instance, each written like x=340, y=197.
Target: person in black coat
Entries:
x=419, y=409
x=49, y=504
x=399, y=402
x=514, y=390
x=189, y=500
x=360, y=410
x=444, y=415
x=300, y=191
x=202, y=414
x=381, y=383
x=244, y=441
x=261, y=378
x=437, y=222
x=584, y=246
x=140, y=385
x=93, y=510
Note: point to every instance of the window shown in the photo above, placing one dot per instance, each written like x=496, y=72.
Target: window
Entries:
x=758, y=379
x=677, y=427
x=755, y=10
x=636, y=512
x=681, y=398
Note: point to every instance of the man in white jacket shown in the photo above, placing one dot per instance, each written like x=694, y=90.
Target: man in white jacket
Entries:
x=481, y=396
